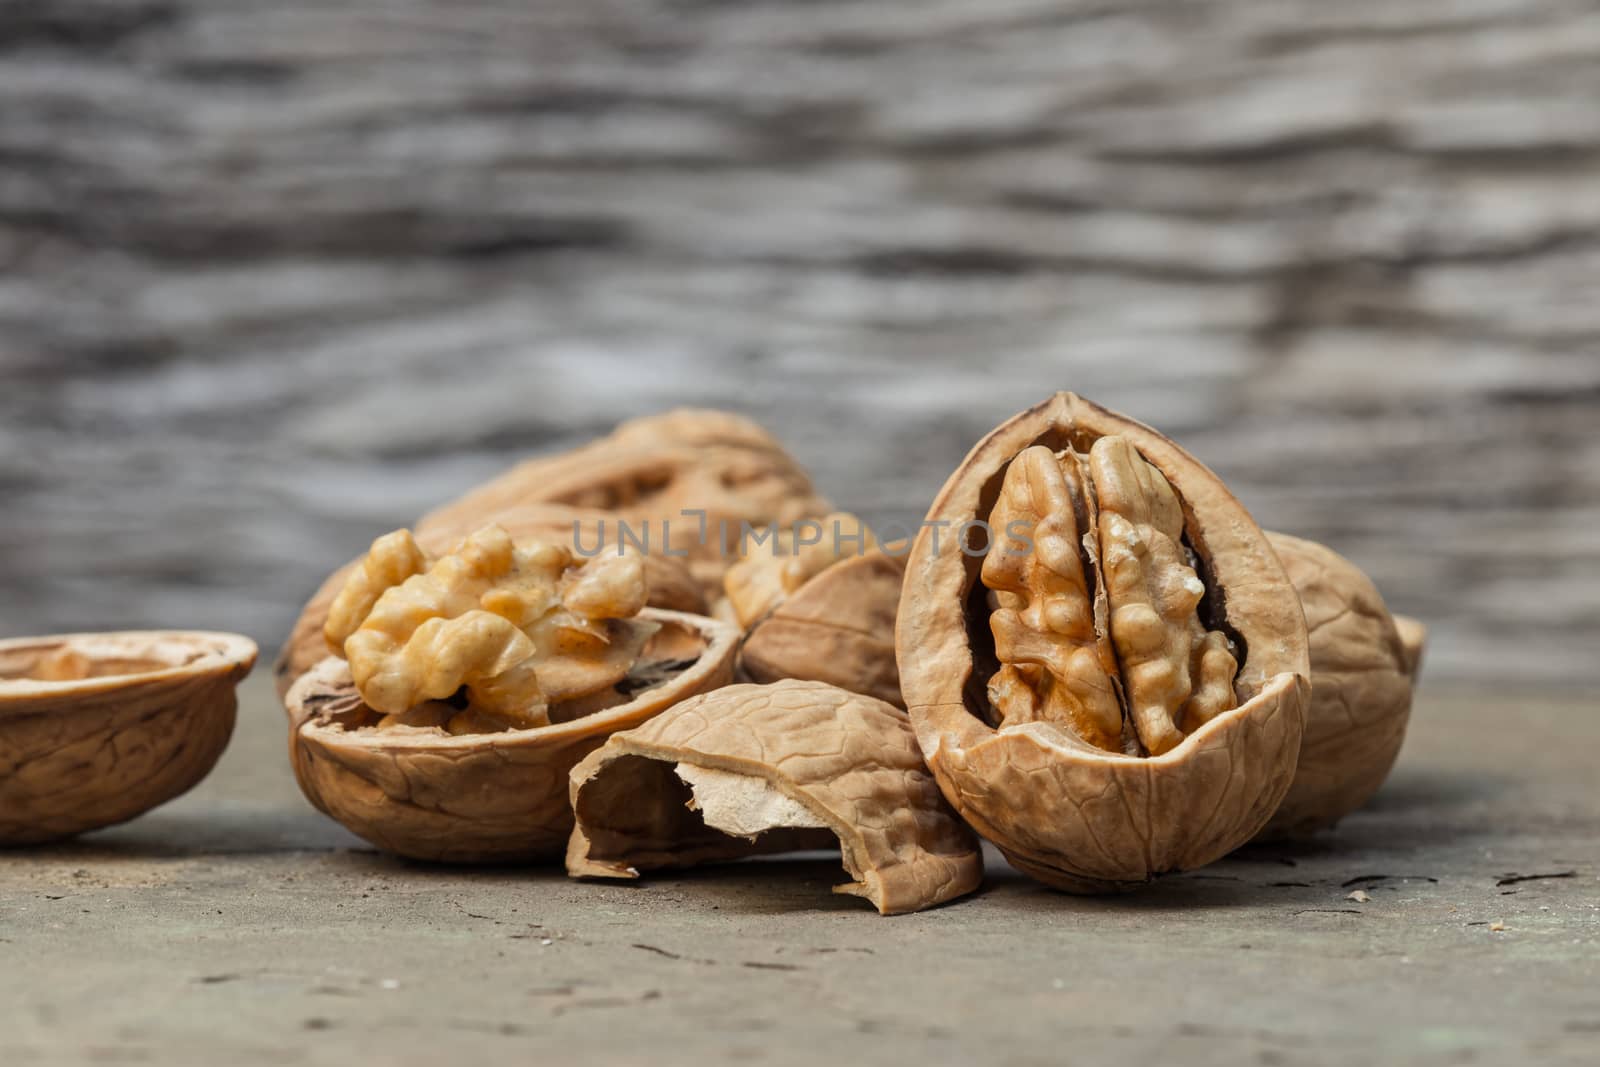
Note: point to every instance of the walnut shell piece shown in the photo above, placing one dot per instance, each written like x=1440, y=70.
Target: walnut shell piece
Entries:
x=1062, y=807
x=755, y=769
x=414, y=789
x=702, y=473
x=836, y=628
x=1413, y=640
x=818, y=603
x=1362, y=672
x=96, y=729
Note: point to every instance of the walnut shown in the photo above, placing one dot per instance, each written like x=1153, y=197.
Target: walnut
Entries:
x=96, y=729
x=1363, y=667
x=753, y=769
x=1114, y=684
x=651, y=473
x=821, y=611
x=434, y=783
x=516, y=626
x=668, y=580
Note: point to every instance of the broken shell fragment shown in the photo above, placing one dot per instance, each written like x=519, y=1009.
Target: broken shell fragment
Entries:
x=430, y=785
x=837, y=628
x=1363, y=666
x=1112, y=683
x=822, y=611
x=98, y=728
x=758, y=769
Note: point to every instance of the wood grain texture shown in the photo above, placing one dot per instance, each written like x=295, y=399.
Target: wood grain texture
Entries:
x=277, y=277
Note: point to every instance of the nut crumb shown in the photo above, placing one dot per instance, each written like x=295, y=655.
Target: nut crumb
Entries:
x=1360, y=896
x=1496, y=927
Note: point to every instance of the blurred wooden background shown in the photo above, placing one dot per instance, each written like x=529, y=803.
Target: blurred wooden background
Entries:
x=277, y=276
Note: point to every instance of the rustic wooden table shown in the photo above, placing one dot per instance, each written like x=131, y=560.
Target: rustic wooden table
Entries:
x=238, y=925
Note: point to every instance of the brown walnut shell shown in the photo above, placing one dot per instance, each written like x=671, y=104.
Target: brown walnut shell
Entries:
x=493, y=797
x=836, y=628
x=96, y=729
x=1413, y=640
x=652, y=470
x=671, y=585
x=1072, y=815
x=756, y=769
x=1362, y=671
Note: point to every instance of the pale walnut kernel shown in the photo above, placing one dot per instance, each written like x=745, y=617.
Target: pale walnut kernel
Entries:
x=392, y=559
x=520, y=627
x=1056, y=667
x=1178, y=675
x=1096, y=623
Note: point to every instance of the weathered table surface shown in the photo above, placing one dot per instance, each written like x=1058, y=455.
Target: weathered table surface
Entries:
x=238, y=925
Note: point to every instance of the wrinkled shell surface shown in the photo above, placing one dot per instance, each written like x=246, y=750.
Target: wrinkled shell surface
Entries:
x=837, y=628
x=654, y=469
x=1413, y=639
x=1070, y=814
x=98, y=728
x=476, y=797
x=775, y=768
x=1361, y=681
x=671, y=586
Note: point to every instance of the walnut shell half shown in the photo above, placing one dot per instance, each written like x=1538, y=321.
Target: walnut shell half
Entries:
x=421, y=792
x=98, y=728
x=755, y=769
x=1362, y=672
x=1057, y=802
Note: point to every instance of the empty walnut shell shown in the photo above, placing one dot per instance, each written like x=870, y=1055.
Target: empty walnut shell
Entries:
x=671, y=585
x=488, y=797
x=1362, y=671
x=755, y=769
x=723, y=467
x=1074, y=815
x=98, y=728
x=837, y=628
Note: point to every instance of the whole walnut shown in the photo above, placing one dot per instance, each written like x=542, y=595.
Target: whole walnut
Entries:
x=1103, y=658
x=1362, y=672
